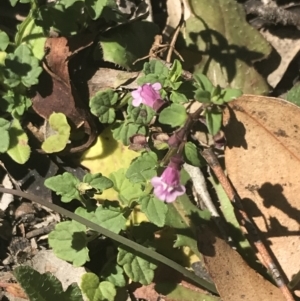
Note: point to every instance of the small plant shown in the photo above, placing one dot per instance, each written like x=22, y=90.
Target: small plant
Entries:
x=151, y=192
x=158, y=120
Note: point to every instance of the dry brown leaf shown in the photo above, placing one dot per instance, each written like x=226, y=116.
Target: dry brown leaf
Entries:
x=147, y=292
x=234, y=279
x=105, y=78
x=14, y=289
x=263, y=162
x=55, y=92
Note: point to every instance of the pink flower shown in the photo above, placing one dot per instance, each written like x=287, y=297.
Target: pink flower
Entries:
x=148, y=95
x=167, y=187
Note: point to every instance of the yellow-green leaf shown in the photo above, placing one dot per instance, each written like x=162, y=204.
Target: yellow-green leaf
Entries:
x=19, y=149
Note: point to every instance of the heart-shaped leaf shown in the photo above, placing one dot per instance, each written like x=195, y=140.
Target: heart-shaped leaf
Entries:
x=57, y=142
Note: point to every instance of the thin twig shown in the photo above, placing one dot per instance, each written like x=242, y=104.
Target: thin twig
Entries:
x=40, y=231
x=200, y=187
x=247, y=222
x=273, y=14
x=175, y=36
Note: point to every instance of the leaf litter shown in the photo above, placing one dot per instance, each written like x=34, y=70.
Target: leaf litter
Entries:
x=262, y=158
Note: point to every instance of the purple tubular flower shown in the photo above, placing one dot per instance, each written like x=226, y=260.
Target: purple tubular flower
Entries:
x=167, y=187
x=148, y=95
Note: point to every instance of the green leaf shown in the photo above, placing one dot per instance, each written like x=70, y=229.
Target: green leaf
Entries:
x=4, y=134
x=108, y=216
x=127, y=190
x=13, y=2
x=4, y=124
x=175, y=71
x=14, y=103
x=113, y=273
x=64, y=185
x=87, y=214
x=108, y=290
x=216, y=96
x=187, y=88
x=192, y=155
x=68, y=3
x=4, y=40
x=142, y=168
x=45, y=287
x=228, y=212
x=111, y=217
x=174, y=115
x=19, y=149
x=125, y=44
x=177, y=292
x=213, y=121
x=294, y=95
x=69, y=242
x=156, y=67
x=151, y=79
x=154, y=209
x=124, y=130
x=126, y=96
x=58, y=141
x=230, y=94
x=216, y=91
x=4, y=141
x=202, y=96
x=203, y=82
x=98, y=181
x=173, y=86
x=53, y=17
x=185, y=216
x=2, y=63
x=178, y=97
x=97, y=9
x=96, y=290
x=21, y=67
x=73, y=292
x=140, y=115
x=33, y=35
x=136, y=268
x=215, y=47
x=102, y=105
x=217, y=100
